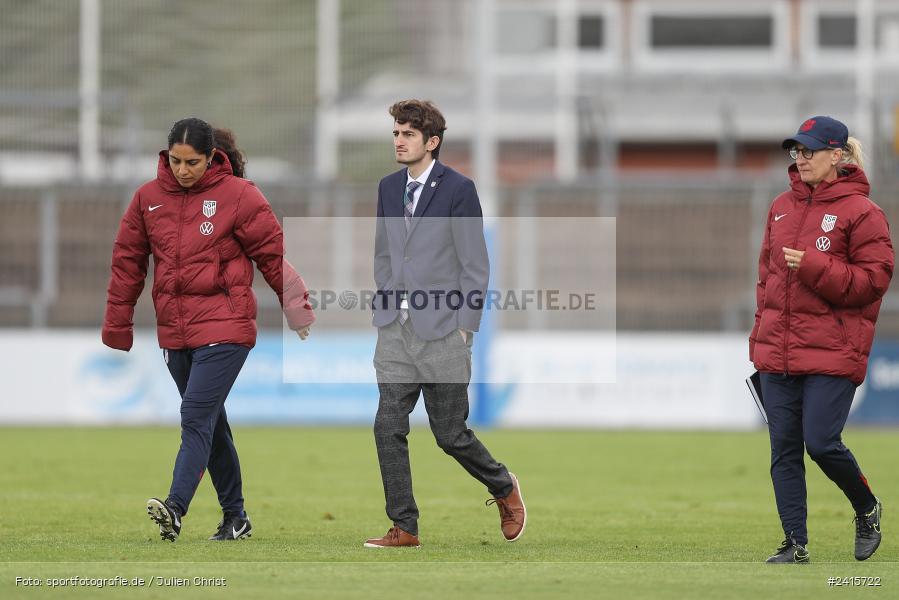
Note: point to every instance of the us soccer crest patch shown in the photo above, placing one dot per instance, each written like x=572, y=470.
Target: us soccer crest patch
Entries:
x=209, y=208
x=828, y=223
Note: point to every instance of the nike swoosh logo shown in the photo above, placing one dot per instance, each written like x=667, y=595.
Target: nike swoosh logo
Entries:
x=240, y=532
x=779, y=217
x=152, y=208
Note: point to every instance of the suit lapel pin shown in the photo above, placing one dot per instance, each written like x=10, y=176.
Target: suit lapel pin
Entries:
x=433, y=184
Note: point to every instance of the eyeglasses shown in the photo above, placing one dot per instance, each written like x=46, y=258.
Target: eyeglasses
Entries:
x=805, y=152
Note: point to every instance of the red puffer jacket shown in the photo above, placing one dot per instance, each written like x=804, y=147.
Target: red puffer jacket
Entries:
x=820, y=318
x=202, y=240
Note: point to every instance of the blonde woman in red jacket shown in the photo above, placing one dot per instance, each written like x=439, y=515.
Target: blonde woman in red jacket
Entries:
x=825, y=264
x=205, y=227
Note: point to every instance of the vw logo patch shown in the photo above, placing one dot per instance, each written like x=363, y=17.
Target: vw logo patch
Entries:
x=823, y=243
x=206, y=229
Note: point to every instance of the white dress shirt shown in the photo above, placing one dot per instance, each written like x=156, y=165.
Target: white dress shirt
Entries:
x=422, y=179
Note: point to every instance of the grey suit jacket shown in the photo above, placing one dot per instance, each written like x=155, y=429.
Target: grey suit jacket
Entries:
x=441, y=262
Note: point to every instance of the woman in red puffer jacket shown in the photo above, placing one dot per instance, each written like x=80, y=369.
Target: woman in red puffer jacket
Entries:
x=825, y=264
x=205, y=227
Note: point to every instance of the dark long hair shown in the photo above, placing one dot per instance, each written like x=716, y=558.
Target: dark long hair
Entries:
x=203, y=137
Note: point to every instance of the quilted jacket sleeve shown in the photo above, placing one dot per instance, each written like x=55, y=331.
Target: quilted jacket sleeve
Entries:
x=130, y=257
x=764, y=259
x=259, y=233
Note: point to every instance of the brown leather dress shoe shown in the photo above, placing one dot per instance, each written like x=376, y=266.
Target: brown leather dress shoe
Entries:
x=395, y=537
x=512, y=513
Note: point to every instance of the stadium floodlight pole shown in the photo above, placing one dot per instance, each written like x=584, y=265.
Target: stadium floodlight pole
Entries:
x=484, y=131
x=327, y=157
x=49, y=259
x=89, y=90
x=327, y=63
x=483, y=59
x=864, y=74
x=566, y=136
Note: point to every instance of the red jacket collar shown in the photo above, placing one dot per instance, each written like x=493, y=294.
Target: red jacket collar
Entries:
x=221, y=168
x=852, y=182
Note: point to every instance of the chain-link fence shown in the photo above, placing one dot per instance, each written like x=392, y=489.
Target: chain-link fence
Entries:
x=560, y=108
x=686, y=252
x=249, y=66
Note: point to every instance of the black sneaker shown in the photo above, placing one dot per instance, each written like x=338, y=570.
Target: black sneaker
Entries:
x=167, y=517
x=233, y=527
x=867, y=532
x=790, y=551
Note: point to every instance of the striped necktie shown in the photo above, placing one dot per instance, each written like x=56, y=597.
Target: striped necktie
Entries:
x=409, y=201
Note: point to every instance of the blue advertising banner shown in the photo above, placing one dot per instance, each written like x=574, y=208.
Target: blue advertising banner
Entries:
x=877, y=401
x=261, y=396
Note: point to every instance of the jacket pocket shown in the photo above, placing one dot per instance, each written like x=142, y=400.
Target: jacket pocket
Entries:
x=219, y=270
x=242, y=302
x=842, y=327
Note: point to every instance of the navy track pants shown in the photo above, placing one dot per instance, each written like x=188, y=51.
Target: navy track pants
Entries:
x=807, y=413
x=204, y=377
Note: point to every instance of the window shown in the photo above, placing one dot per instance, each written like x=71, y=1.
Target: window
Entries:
x=836, y=31
x=711, y=31
x=590, y=32
x=829, y=35
x=700, y=35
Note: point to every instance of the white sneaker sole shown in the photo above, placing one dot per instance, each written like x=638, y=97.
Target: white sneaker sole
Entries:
x=367, y=545
x=231, y=539
x=242, y=536
x=159, y=514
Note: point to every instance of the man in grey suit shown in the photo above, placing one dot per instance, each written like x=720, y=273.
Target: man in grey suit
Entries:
x=431, y=269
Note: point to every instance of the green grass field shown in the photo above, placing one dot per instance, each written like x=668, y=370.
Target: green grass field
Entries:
x=610, y=514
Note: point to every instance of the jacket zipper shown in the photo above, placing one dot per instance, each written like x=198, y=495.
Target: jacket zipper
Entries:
x=178, y=269
x=808, y=206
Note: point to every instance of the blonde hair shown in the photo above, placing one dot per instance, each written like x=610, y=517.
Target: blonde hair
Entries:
x=853, y=154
